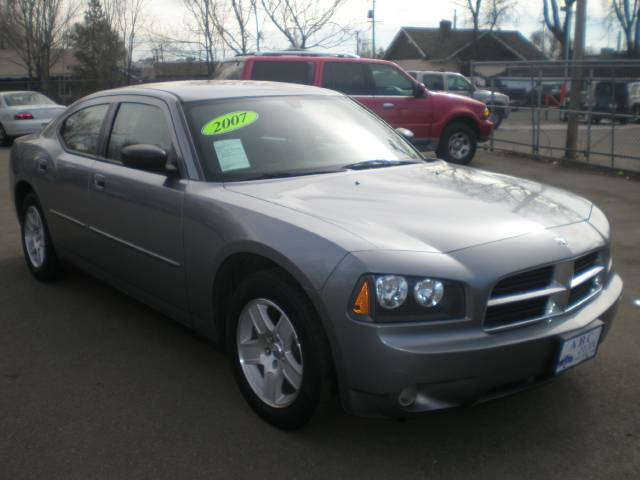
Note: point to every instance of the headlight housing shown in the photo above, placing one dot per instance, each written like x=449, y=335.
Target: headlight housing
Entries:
x=398, y=298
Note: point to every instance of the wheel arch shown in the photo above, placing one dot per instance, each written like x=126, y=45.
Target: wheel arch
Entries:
x=236, y=265
x=21, y=190
x=464, y=119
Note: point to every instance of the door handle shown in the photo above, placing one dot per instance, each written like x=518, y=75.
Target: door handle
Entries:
x=42, y=165
x=388, y=105
x=99, y=181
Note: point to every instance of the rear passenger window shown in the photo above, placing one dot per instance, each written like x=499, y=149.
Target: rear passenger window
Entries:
x=81, y=130
x=292, y=72
x=433, y=82
x=346, y=77
x=137, y=123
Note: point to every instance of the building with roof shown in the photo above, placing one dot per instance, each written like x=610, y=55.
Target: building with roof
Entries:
x=446, y=48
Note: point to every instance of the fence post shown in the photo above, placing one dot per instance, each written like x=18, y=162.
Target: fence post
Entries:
x=612, y=101
x=590, y=91
x=534, y=147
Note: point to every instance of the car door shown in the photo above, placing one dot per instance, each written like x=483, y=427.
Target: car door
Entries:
x=350, y=78
x=63, y=182
x=136, y=215
x=395, y=99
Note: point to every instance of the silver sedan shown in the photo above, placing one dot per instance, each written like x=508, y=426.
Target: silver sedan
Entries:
x=317, y=246
x=25, y=112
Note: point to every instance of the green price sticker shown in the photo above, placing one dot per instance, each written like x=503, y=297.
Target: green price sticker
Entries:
x=229, y=122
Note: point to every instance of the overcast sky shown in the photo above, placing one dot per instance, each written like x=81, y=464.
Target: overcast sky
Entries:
x=169, y=17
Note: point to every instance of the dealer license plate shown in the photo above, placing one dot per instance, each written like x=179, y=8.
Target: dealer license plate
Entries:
x=578, y=349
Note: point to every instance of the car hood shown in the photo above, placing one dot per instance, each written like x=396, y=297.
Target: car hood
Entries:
x=484, y=95
x=434, y=207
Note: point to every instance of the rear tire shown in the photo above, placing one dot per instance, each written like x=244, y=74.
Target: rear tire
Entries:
x=37, y=247
x=278, y=350
x=457, y=144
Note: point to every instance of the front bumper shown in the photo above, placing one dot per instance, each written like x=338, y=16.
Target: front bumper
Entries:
x=485, y=128
x=441, y=370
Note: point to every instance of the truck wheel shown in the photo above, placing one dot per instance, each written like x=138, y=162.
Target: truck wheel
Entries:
x=278, y=349
x=457, y=144
x=36, y=242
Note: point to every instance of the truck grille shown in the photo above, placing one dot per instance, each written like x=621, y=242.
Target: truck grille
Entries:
x=543, y=293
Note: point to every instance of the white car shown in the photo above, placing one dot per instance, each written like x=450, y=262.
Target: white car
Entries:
x=22, y=113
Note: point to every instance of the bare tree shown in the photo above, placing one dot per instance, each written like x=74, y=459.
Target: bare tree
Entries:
x=557, y=26
x=627, y=13
x=37, y=30
x=126, y=17
x=201, y=11
x=308, y=23
x=497, y=11
x=232, y=23
x=546, y=43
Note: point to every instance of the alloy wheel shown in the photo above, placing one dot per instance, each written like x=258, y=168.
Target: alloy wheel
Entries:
x=269, y=353
x=459, y=146
x=34, y=236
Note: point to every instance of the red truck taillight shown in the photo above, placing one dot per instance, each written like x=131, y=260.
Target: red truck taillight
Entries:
x=23, y=116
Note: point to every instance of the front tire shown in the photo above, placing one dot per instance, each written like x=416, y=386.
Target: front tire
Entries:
x=37, y=247
x=278, y=349
x=457, y=144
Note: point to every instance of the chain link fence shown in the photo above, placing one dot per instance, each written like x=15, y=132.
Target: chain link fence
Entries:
x=607, y=110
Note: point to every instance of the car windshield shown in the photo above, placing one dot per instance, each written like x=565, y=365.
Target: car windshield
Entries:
x=251, y=138
x=27, y=98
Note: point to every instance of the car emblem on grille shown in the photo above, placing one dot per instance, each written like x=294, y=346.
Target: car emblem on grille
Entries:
x=561, y=241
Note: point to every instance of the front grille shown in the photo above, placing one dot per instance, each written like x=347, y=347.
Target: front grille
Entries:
x=543, y=292
x=509, y=313
x=585, y=262
x=523, y=282
x=581, y=291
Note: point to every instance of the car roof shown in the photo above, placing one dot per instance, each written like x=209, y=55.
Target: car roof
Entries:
x=195, y=90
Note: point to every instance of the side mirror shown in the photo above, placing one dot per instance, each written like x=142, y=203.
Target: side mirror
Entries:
x=144, y=157
x=420, y=90
x=406, y=133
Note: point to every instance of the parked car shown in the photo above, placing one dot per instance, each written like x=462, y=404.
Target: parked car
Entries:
x=458, y=84
x=634, y=99
x=22, y=113
x=451, y=126
x=297, y=229
x=611, y=100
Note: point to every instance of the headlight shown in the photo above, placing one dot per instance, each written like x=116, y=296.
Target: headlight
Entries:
x=428, y=292
x=431, y=300
x=486, y=113
x=391, y=291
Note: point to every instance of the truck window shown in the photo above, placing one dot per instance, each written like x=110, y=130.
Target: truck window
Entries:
x=292, y=72
x=346, y=77
x=231, y=70
x=433, y=81
x=389, y=81
x=457, y=83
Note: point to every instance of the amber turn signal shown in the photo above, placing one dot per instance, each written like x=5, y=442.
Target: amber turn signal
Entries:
x=361, y=303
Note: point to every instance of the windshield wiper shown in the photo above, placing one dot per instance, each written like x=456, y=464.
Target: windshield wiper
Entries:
x=377, y=164
x=268, y=175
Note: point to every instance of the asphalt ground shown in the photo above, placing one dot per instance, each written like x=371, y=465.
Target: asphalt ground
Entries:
x=94, y=385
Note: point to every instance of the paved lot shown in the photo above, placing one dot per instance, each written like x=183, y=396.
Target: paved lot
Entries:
x=95, y=385
x=625, y=139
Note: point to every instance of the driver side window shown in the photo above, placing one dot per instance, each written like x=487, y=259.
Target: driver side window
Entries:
x=389, y=81
x=138, y=123
x=457, y=83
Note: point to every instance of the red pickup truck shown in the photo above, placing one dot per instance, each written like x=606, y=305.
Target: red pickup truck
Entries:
x=452, y=125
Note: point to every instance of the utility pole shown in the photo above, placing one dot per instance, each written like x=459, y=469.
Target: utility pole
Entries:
x=576, y=82
x=372, y=16
x=255, y=14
